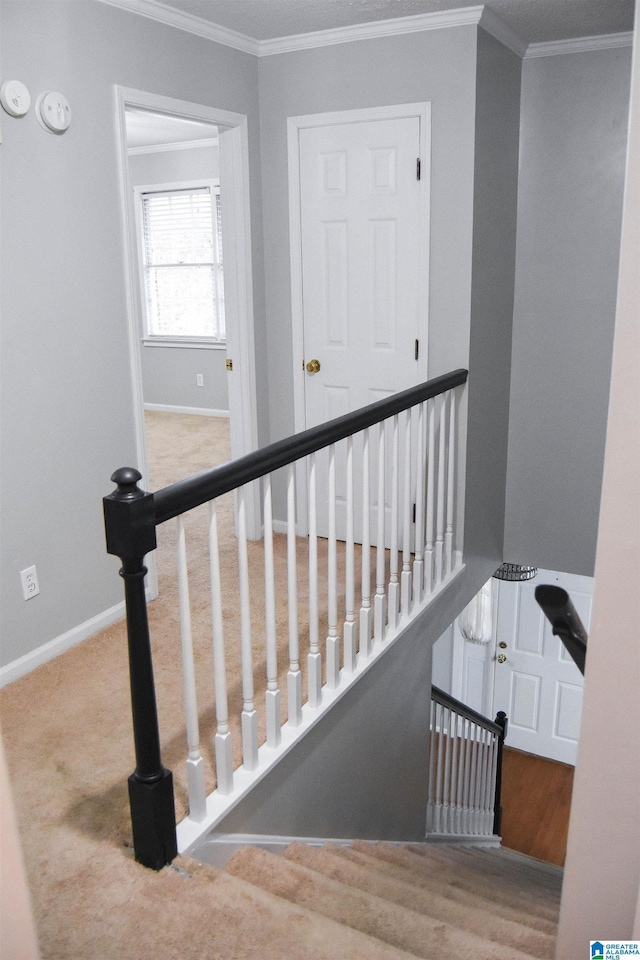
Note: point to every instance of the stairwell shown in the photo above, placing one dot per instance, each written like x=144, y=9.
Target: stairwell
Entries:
x=383, y=901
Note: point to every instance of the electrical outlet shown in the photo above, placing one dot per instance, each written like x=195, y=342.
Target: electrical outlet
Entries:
x=29, y=580
x=199, y=380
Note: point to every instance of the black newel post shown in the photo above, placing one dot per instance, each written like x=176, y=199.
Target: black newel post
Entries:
x=502, y=722
x=131, y=534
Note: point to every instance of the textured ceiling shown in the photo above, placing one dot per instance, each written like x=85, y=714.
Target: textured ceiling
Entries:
x=534, y=21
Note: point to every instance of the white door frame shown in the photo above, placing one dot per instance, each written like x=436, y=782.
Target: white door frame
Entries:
x=294, y=126
x=234, y=176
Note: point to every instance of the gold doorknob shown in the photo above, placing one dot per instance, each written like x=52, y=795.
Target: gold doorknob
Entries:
x=313, y=366
x=501, y=658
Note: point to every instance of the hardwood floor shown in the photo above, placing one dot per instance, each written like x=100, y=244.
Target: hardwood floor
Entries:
x=536, y=800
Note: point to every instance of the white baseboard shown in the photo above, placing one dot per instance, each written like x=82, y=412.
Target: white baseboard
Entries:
x=192, y=411
x=49, y=651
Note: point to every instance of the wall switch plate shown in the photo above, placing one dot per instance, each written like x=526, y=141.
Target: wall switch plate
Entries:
x=29, y=580
x=199, y=380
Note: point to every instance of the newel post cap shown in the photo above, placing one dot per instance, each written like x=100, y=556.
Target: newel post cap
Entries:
x=129, y=517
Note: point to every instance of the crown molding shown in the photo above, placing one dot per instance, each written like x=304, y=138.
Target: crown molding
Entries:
x=490, y=22
x=366, y=31
x=154, y=10
x=168, y=147
x=605, y=41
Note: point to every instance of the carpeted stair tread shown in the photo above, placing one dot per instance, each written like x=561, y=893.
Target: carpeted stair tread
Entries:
x=523, y=891
x=398, y=926
x=450, y=880
x=389, y=867
x=476, y=920
x=243, y=921
x=502, y=862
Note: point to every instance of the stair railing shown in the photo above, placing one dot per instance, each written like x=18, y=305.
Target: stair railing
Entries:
x=557, y=606
x=396, y=460
x=465, y=770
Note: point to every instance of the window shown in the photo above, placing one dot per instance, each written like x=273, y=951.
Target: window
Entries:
x=182, y=263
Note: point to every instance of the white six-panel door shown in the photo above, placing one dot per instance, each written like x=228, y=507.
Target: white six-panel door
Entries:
x=537, y=684
x=363, y=235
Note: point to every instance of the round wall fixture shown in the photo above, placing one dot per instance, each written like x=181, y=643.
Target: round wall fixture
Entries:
x=15, y=98
x=53, y=111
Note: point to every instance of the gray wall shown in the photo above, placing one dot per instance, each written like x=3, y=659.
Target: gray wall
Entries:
x=494, y=232
x=169, y=373
x=67, y=409
x=574, y=124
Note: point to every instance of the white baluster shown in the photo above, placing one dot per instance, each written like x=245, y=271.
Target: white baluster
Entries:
x=249, y=717
x=394, y=582
x=486, y=784
x=493, y=772
x=195, y=762
x=451, y=460
x=418, y=562
x=222, y=740
x=473, y=782
x=431, y=476
x=272, y=694
x=333, y=643
x=453, y=814
x=441, y=494
x=462, y=723
x=350, y=626
x=431, y=790
x=314, y=659
x=294, y=676
x=365, y=609
x=439, y=772
x=446, y=790
x=467, y=774
x=405, y=579
x=379, y=601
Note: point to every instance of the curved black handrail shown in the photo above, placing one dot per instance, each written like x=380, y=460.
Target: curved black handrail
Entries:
x=446, y=700
x=186, y=494
x=559, y=610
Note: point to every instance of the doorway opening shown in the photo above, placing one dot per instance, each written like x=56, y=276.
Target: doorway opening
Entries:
x=163, y=144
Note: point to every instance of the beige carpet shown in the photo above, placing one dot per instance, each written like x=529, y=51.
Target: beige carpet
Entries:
x=67, y=734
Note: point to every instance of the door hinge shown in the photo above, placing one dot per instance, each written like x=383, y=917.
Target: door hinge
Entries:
x=229, y=364
x=418, y=168
x=414, y=513
x=417, y=349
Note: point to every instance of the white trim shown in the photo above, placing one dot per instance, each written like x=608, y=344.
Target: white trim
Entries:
x=234, y=178
x=191, y=411
x=184, y=344
x=49, y=651
x=168, y=147
x=552, y=48
x=153, y=10
x=437, y=20
x=495, y=26
x=294, y=126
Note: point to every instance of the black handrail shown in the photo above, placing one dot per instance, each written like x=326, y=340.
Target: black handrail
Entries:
x=131, y=516
x=498, y=727
x=559, y=610
x=202, y=487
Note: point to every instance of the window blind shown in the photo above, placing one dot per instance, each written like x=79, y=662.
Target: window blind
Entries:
x=182, y=250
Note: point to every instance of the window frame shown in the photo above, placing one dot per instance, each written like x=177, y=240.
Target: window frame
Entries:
x=172, y=340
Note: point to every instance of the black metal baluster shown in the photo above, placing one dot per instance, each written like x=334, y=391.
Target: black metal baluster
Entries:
x=131, y=534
